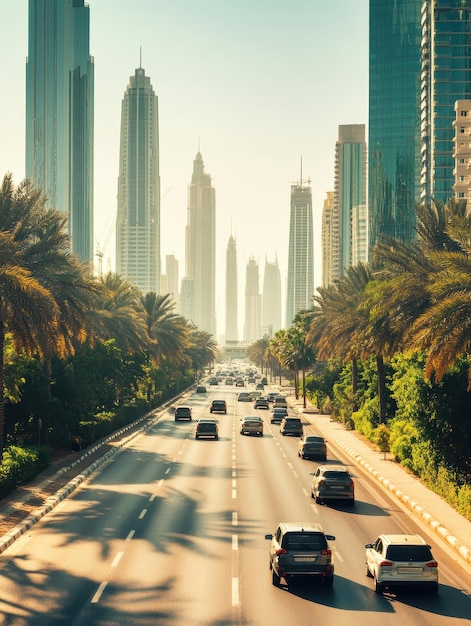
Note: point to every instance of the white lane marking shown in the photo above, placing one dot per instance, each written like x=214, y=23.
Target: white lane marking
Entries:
x=235, y=592
x=99, y=592
x=235, y=520
x=167, y=470
x=305, y=492
x=234, y=494
x=314, y=508
x=233, y=472
x=235, y=542
x=143, y=513
x=337, y=556
x=290, y=466
x=234, y=483
x=131, y=535
x=117, y=559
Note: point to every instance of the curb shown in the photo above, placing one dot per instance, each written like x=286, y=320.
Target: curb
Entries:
x=463, y=551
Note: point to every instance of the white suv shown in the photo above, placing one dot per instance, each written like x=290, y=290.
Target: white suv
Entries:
x=401, y=560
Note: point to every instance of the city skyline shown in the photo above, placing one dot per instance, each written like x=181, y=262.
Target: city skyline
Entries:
x=255, y=109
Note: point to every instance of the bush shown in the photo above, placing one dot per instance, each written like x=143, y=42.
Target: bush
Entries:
x=20, y=465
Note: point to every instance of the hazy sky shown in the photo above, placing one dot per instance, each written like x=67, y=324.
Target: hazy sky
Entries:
x=258, y=83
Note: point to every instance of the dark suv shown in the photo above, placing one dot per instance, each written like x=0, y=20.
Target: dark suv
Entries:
x=291, y=426
x=207, y=428
x=218, y=406
x=183, y=413
x=332, y=482
x=300, y=550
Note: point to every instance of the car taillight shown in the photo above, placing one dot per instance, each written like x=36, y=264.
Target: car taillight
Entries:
x=327, y=552
x=432, y=564
x=281, y=551
x=386, y=564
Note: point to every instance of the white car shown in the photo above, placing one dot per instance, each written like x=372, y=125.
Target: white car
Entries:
x=401, y=560
x=251, y=425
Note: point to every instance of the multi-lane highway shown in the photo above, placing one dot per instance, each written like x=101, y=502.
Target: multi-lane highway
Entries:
x=171, y=531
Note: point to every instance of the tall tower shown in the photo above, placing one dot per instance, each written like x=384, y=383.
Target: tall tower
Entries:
x=138, y=216
x=171, y=273
x=300, y=287
x=394, y=117
x=446, y=78
x=201, y=247
x=349, y=193
x=330, y=243
x=271, y=299
x=252, y=326
x=232, y=331
x=59, y=113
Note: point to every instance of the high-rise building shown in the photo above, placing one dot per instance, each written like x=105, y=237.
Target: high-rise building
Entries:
x=171, y=274
x=394, y=117
x=59, y=113
x=330, y=243
x=200, y=258
x=138, y=215
x=300, y=284
x=232, y=301
x=349, y=193
x=271, y=299
x=446, y=78
x=253, y=301
x=462, y=153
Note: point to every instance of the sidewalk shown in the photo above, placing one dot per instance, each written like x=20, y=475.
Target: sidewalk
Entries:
x=427, y=505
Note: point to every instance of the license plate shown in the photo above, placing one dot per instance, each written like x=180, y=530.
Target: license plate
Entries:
x=305, y=559
x=339, y=487
x=409, y=570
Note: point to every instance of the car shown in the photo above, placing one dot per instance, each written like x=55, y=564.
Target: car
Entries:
x=244, y=396
x=240, y=383
x=264, y=380
x=218, y=406
x=251, y=380
x=207, y=428
x=396, y=560
x=312, y=447
x=183, y=413
x=277, y=415
x=213, y=381
x=229, y=381
x=200, y=389
x=300, y=550
x=280, y=401
x=260, y=386
x=261, y=403
x=332, y=482
x=251, y=425
x=291, y=426
x=272, y=395
x=255, y=394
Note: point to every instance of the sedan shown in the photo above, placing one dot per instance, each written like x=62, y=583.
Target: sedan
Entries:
x=312, y=447
x=251, y=425
x=261, y=403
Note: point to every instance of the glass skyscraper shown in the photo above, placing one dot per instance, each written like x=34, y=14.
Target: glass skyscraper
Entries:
x=394, y=117
x=300, y=284
x=59, y=113
x=446, y=78
x=138, y=215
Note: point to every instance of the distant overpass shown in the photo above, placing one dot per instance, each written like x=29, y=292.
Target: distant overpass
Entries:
x=235, y=350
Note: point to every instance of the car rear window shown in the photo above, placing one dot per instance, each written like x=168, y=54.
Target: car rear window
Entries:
x=309, y=542
x=312, y=439
x=409, y=553
x=337, y=475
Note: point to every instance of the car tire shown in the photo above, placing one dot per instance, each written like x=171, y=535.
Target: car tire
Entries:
x=378, y=586
x=328, y=581
x=433, y=589
x=318, y=500
x=216, y=437
x=196, y=437
x=368, y=574
x=275, y=579
x=312, y=495
x=351, y=502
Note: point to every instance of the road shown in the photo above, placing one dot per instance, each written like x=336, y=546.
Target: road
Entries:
x=171, y=531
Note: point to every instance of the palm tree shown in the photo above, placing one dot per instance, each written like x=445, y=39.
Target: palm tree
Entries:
x=167, y=331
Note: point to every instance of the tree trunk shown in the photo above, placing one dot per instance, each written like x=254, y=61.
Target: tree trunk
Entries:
x=304, y=388
x=381, y=389
x=354, y=383
x=2, y=388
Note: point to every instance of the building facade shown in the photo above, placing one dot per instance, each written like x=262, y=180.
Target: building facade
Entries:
x=394, y=144
x=138, y=214
x=271, y=299
x=232, y=300
x=300, y=279
x=59, y=114
x=253, y=303
x=200, y=247
x=446, y=78
x=349, y=194
x=171, y=277
x=330, y=244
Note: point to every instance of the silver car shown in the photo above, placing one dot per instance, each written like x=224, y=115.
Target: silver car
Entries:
x=251, y=425
x=332, y=482
x=396, y=560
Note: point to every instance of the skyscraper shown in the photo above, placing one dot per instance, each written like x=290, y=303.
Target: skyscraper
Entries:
x=59, y=113
x=271, y=299
x=394, y=117
x=232, y=303
x=138, y=216
x=171, y=273
x=349, y=193
x=446, y=78
x=330, y=243
x=200, y=257
x=300, y=287
x=253, y=301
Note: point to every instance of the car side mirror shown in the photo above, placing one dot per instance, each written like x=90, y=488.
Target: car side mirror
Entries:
x=268, y=536
x=330, y=537
x=369, y=545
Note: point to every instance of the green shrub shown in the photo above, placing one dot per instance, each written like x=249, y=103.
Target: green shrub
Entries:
x=20, y=465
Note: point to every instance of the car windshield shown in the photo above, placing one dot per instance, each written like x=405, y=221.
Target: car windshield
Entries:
x=337, y=475
x=306, y=542
x=409, y=553
x=312, y=439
